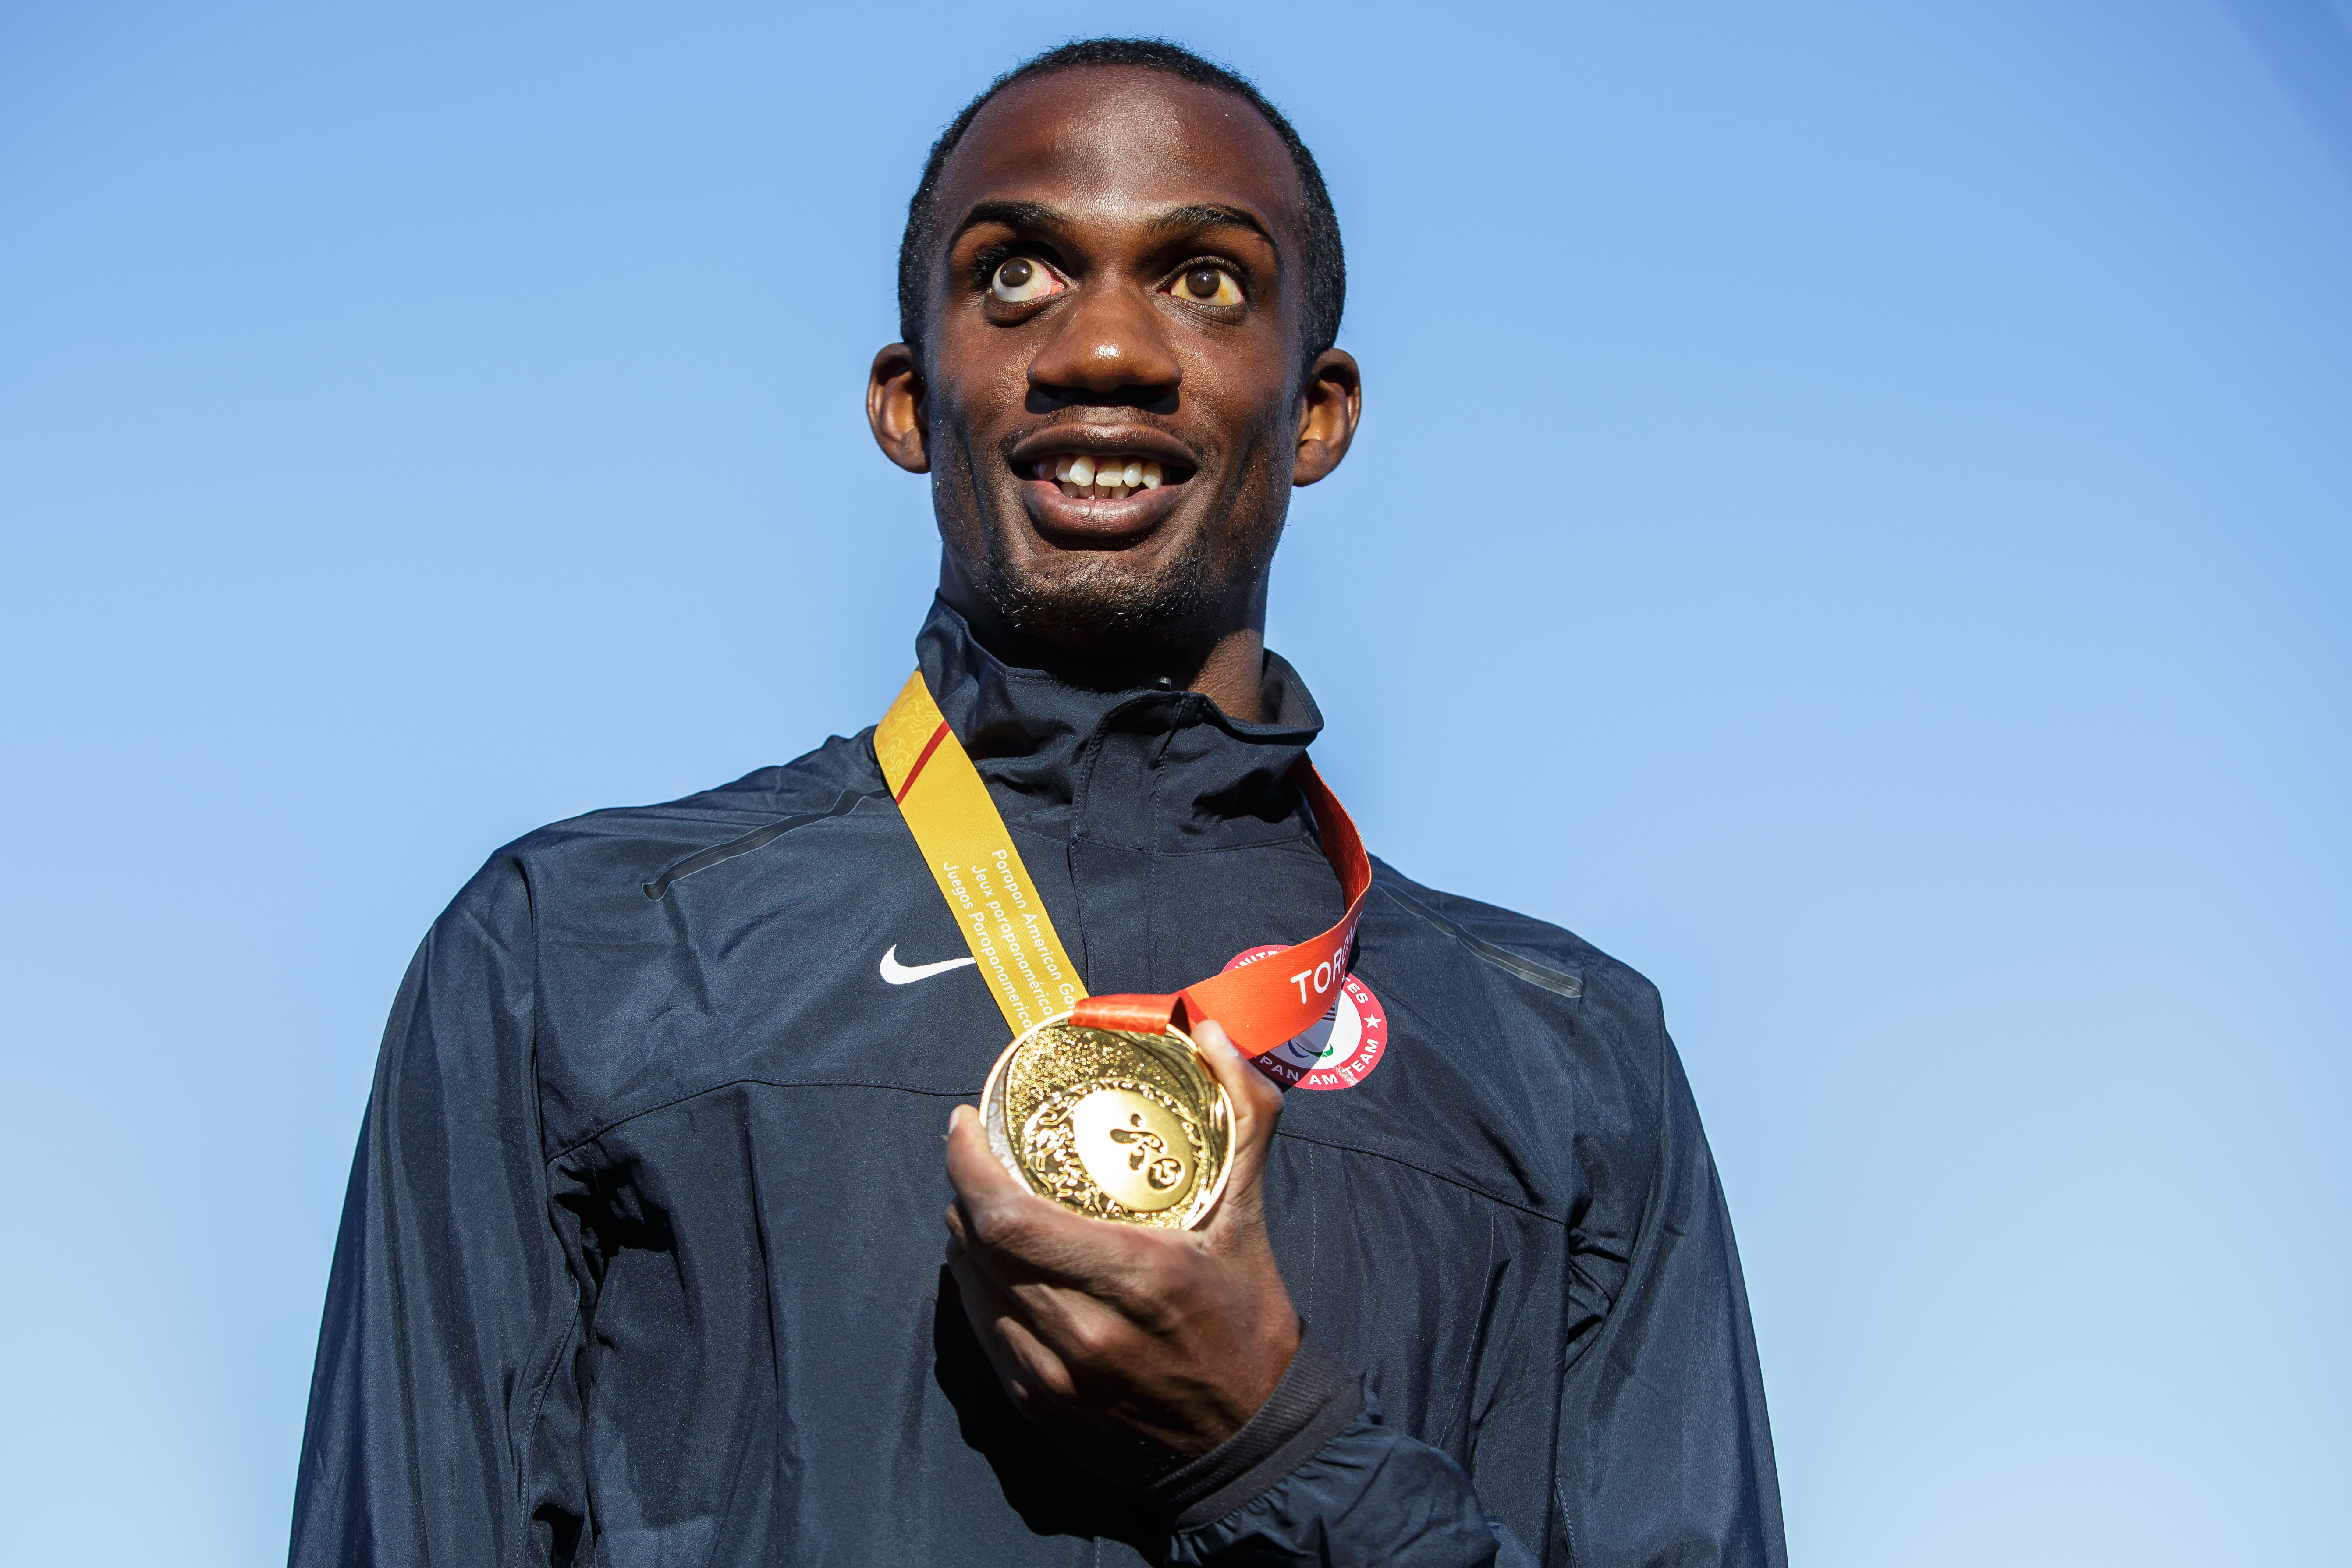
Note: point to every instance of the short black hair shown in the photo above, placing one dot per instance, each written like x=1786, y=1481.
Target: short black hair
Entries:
x=1323, y=267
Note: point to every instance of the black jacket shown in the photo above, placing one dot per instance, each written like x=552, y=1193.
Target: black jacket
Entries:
x=641, y=1258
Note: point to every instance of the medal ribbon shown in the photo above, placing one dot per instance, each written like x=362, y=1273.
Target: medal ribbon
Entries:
x=973, y=859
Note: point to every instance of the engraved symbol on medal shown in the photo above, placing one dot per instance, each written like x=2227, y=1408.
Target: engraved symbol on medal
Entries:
x=1113, y=1123
x=1133, y=1148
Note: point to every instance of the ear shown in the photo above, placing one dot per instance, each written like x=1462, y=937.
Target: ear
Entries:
x=896, y=408
x=1327, y=412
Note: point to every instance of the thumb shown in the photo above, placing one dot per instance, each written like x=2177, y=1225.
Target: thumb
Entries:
x=1258, y=1108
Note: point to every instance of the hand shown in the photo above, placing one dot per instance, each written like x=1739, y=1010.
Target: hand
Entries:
x=1131, y=1346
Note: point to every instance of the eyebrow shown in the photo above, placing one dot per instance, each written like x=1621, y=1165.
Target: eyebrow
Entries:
x=1011, y=215
x=1188, y=219
x=1194, y=218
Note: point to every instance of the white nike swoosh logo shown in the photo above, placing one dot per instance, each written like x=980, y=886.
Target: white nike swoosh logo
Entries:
x=899, y=973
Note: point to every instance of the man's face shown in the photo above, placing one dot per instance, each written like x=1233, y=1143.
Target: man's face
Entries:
x=1116, y=301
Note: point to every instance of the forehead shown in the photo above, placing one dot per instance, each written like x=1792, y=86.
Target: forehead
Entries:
x=1118, y=140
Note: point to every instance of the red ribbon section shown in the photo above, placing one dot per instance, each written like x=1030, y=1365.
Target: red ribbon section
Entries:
x=1263, y=1005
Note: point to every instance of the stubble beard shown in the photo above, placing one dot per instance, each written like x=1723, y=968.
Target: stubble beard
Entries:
x=1098, y=603
x=1132, y=612
x=1122, y=610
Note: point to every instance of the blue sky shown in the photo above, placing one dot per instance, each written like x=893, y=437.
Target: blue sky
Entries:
x=1852, y=518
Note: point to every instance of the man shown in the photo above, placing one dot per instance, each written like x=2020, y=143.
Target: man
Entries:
x=637, y=1263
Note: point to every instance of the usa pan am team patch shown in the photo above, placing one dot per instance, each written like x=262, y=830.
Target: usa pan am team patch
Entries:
x=1340, y=1049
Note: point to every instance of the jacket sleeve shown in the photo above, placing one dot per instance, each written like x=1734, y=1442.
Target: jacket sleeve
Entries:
x=450, y=1303
x=1371, y=1495
x=1666, y=1454
x=1316, y=1478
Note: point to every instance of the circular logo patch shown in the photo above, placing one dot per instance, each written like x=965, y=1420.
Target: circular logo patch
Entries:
x=1338, y=1050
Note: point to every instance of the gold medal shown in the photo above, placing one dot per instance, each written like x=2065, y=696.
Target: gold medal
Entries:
x=1101, y=1103
x=1113, y=1123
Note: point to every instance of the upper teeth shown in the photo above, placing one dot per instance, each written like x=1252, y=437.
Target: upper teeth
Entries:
x=1110, y=476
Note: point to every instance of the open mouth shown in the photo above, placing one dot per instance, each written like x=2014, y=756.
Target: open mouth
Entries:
x=1109, y=476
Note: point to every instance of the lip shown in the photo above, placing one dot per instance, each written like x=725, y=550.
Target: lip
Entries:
x=1095, y=524
x=1092, y=440
x=1098, y=523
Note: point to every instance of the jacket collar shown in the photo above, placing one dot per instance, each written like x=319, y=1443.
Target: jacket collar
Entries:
x=1151, y=768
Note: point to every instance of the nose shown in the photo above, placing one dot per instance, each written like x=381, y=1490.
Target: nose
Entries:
x=1109, y=346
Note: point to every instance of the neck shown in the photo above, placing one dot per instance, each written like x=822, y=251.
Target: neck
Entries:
x=1224, y=663
x=1233, y=676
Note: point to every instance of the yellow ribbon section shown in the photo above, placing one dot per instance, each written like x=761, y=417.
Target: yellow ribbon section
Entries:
x=973, y=859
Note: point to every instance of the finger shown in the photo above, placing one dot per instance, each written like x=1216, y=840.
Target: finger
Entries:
x=990, y=1309
x=1023, y=1363
x=1257, y=1109
x=974, y=1169
x=1021, y=1239
x=993, y=1212
x=983, y=1187
x=1045, y=1369
x=1256, y=1097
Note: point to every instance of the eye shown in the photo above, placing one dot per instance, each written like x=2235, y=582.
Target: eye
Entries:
x=1022, y=279
x=1208, y=286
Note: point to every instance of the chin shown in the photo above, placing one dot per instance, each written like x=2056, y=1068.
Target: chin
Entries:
x=1101, y=603
x=1154, y=600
